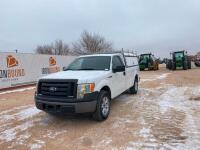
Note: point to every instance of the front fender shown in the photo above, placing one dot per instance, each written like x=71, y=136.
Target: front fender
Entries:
x=103, y=83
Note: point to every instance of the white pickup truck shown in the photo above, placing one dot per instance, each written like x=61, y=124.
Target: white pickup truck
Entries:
x=88, y=84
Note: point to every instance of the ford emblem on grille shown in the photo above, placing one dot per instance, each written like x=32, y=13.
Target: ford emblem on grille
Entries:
x=52, y=89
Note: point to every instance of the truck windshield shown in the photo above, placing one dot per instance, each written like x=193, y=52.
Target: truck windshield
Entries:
x=90, y=63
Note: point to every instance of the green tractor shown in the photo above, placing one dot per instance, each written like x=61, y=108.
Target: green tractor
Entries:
x=148, y=61
x=179, y=60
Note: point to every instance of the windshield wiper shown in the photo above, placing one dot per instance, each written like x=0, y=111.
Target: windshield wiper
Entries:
x=67, y=69
x=80, y=69
x=86, y=69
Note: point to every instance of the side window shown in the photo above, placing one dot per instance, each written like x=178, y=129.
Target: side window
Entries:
x=116, y=61
x=129, y=61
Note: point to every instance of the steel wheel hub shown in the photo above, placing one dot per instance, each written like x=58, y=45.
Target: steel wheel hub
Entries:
x=105, y=106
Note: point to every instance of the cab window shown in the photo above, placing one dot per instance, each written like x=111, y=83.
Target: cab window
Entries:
x=116, y=61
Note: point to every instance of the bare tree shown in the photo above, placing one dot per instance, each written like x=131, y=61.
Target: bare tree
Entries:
x=56, y=48
x=44, y=49
x=61, y=48
x=91, y=43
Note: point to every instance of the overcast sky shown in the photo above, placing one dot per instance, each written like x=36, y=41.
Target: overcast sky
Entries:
x=159, y=26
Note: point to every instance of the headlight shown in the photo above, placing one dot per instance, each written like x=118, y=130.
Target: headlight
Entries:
x=84, y=89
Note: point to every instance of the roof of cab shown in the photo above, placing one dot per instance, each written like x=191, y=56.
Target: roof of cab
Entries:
x=111, y=54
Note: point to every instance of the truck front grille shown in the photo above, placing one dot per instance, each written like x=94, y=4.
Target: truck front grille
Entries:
x=57, y=88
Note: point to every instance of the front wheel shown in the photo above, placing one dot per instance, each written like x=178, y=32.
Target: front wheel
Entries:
x=134, y=88
x=103, y=107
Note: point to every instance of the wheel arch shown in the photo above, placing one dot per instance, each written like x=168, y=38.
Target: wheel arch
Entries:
x=107, y=89
x=137, y=77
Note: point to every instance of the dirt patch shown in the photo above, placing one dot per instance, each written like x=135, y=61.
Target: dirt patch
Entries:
x=195, y=98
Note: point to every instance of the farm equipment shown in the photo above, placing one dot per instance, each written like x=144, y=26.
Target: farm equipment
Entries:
x=179, y=60
x=148, y=61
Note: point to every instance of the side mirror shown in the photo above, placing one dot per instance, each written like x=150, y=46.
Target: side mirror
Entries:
x=119, y=69
x=64, y=68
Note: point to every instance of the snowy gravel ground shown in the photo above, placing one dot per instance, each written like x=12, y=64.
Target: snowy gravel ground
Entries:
x=162, y=117
x=17, y=90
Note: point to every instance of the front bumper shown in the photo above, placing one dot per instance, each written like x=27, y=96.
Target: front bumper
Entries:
x=56, y=105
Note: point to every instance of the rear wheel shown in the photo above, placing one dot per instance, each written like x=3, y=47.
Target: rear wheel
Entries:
x=134, y=88
x=189, y=64
x=185, y=65
x=103, y=106
x=169, y=65
x=173, y=66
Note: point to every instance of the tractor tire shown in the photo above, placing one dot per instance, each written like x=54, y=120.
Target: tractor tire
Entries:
x=185, y=66
x=173, y=66
x=189, y=64
x=169, y=65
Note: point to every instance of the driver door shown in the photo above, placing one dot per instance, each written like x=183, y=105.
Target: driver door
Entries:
x=119, y=78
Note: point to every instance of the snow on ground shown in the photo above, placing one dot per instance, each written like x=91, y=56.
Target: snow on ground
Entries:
x=179, y=99
x=14, y=109
x=37, y=145
x=10, y=134
x=163, y=76
x=156, y=77
x=53, y=135
x=17, y=90
x=16, y=123
x=21, y=115
x=27, y=113
x=172, y=98
x=163, y=125
x=144, y=132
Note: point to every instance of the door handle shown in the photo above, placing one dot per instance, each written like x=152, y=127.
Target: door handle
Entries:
x=110, y=77
x=124, y=73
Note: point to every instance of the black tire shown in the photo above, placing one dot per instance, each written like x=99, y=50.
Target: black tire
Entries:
x=173, y=66
x=134, y=88
x=100, y=114
x=185, y=66
x=189, y=64
x=169, y=64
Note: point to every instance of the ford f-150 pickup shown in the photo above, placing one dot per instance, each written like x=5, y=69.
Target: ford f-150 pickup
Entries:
x=88, y=84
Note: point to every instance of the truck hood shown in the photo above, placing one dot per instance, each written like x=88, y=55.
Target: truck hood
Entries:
x=82, y=76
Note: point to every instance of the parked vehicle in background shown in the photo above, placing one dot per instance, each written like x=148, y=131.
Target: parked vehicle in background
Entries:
x=88, y=84
x=148, y=61
x=180, y=60
x=197, y=63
